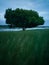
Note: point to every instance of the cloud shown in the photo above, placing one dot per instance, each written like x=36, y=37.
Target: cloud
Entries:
x=45, y=14
x=1, y=16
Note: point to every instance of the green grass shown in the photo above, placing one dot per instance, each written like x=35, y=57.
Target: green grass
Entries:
x=24, y=47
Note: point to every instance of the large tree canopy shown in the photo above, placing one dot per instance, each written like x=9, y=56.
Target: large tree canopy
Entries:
x=23, y=18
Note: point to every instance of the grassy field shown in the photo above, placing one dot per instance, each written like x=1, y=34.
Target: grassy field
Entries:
x=24, y=47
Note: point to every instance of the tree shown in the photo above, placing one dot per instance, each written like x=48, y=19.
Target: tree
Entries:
x=23, y=18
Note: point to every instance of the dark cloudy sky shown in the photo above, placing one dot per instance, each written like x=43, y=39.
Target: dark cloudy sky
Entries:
x=41, y=6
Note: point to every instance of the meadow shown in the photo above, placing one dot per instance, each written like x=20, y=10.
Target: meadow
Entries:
x=24, y=47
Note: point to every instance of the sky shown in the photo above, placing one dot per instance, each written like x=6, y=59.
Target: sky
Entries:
x=41, y=6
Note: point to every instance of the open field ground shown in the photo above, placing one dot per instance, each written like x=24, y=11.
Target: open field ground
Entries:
x=24, y=47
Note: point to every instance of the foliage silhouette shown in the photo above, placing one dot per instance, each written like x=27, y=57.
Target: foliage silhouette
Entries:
x=23, y=18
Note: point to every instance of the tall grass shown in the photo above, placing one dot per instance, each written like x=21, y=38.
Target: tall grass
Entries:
x=24, y=48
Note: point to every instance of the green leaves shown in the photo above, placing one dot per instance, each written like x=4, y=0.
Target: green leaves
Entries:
x=23, y=18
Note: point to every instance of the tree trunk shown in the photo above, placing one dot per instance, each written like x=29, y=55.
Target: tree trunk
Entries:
x=23, y=29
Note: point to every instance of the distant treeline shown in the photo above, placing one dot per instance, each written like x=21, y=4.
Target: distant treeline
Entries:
x=4, y=26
